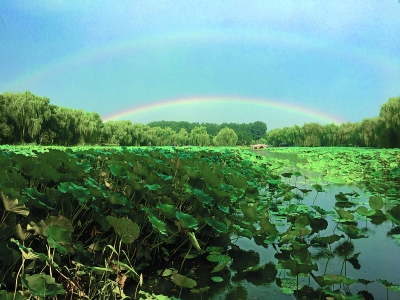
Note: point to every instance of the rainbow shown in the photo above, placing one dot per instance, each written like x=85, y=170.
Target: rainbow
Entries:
x=193, y=101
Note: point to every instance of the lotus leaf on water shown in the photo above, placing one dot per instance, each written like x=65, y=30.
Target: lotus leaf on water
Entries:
x=217, y=279
x=183, y=281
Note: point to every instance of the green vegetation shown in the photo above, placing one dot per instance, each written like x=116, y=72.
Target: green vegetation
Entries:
x=26, y=118
x=140, y=223
x=382, y=131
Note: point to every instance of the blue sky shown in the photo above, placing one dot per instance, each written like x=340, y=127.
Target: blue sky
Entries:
x=336, y=59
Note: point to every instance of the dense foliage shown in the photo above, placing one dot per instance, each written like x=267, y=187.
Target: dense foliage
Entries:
x=94, y=222
x=86, y=216
x=26, y=118
x=382, y=131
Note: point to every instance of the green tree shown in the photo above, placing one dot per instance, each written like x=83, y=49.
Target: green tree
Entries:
x=390, y=114
x=117, y=132
x=181, y=138
x=6, y=129
x=312, y=133
x=199, y=137
x=258, y=129
x=329, y=135
x=26, y=113
x=225, y=137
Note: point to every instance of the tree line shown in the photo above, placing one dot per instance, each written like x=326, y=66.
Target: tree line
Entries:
x=382, y=131
x=27, y=118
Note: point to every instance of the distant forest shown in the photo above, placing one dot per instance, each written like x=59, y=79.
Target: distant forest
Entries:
x=27, y=118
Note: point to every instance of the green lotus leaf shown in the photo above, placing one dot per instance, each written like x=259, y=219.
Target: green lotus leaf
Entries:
x=385, y=282
x=376, y=202
x=116, y=198
x=223, y=209
x=153, y=187
x=250, y=211
x=194, y=241
x=301, y=222
x=352, y=231
x=191, y=172
x=329, y=239
x=168, y=209
x=320, y=210
x=158, y=224
x=394, y=214
x=64, y=187
x=203, y=197
x=362, y=210
x=341, y=197
x=270, y=229
x=58, y=233
x=186, y=220
x=183, y=281
x=167, y=272
x=81, y=193
x=220, y=266
x=335, y=279
x=344, y=214
x=42, y=285
x=53, y=244
x=318, y=188
x=288, y=285
x=127, y=230
x=118, y=171
x=13, y=206
x=217, y=279
x=217, y=225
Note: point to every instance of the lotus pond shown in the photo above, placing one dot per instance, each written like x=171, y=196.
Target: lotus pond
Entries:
x=199, y=223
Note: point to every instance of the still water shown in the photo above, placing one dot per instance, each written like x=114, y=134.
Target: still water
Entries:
x=379, y=256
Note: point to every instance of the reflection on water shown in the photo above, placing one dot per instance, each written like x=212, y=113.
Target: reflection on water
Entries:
x=379, y=255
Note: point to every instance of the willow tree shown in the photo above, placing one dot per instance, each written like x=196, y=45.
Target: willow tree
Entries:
x=198, y=136
x=181, y=138
x=140, y=134
x=27, y=113
x=225, y=137
x=6, y=129
x=390, y=114
x=312, y=133
x=117, y=132
x=330, y=135
x=66, y=125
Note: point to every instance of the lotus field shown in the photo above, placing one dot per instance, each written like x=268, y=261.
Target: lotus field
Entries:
x=199, y=223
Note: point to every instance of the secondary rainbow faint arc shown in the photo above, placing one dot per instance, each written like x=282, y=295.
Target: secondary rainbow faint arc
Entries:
x=223, y=99
x=267, y=36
